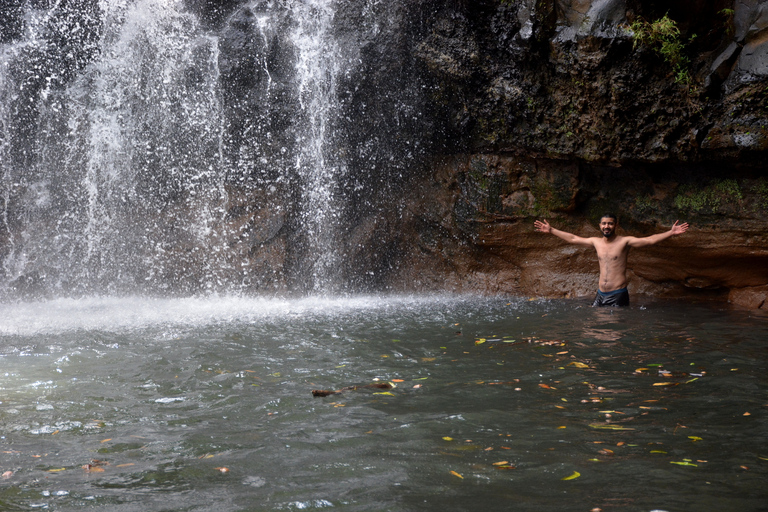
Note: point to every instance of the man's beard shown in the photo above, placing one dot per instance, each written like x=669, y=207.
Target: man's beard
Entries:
x=608, y=233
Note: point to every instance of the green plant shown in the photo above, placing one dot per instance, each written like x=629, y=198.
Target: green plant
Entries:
x=728, y=15
x=663, y=37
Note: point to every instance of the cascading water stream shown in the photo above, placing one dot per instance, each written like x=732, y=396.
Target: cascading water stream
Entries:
x=123, y=182
x=317, y=68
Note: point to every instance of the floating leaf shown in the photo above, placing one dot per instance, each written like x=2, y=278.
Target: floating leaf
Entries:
x=608, y=426
x=501, y=463
x=446, y=438
x=56, y=470
x=578, y=364
x=605, y=451
x=695, y=438
x=658, y=451
x=480, y=341
x=222, y=470
x=456, y=474
x=665, y=383
x=574, y=476
x=398, y=380
x=385, y=393
x=684, y=463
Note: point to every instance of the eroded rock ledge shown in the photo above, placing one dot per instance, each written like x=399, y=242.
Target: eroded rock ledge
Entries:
x=558, y=115
x=471, y=228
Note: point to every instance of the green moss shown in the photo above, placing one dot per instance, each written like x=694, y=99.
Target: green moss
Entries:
x=646, y=204
x=710, y=198
x=548, y=197
x=761, y=191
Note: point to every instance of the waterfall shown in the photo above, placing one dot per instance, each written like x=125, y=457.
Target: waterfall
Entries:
x=143, y=150
x=317, y=66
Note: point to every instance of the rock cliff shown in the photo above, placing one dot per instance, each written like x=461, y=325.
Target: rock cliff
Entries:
x=553, y=111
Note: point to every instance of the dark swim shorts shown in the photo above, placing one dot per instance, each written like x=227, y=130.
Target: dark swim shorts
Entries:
x=614, y=298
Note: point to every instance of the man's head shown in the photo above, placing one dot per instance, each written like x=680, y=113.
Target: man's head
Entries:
x=608, y=223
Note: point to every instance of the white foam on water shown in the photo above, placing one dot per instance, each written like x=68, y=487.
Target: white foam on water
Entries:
x=114, y=314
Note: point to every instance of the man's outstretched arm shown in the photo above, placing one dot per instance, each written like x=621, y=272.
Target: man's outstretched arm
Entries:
x=676, y=229
x=544, y=227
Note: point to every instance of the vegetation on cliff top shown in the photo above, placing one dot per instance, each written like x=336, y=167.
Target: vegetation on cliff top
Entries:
x=663, y=37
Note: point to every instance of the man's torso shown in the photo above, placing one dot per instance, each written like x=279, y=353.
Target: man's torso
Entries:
x=612, y=256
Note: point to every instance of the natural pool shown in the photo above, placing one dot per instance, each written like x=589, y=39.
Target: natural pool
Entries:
x=500, y=404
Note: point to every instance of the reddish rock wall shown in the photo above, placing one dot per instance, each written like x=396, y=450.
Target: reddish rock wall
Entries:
x=471, y=230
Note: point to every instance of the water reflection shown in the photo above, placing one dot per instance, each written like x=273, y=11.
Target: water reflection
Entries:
x=206, y=404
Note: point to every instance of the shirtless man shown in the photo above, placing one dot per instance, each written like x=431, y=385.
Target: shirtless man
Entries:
x=612, y=251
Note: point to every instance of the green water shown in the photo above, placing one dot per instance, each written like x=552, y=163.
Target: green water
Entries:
x=499, y=404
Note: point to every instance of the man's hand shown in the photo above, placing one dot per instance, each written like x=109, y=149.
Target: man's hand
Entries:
x=679, y=230
x=544, y=227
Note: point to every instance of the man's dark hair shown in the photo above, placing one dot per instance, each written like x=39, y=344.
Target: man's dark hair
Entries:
x=611, y=216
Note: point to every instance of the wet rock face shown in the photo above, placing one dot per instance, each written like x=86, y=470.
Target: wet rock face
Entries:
x=474, y=231
x=558, y=114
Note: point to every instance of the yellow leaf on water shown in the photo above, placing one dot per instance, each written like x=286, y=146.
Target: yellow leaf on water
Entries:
x=125, y=465
x=56, y=470
x=694, y=438
x=578, y=364
x=575, y=475
x=456, y=474
x=685, y=463
x=665, y=383
x=54, y=432
x=480, y=341
x=608, y=426
x=385, y=393
x=658, y=451
x=501, y=463
x=446, y=438
x=105, y=440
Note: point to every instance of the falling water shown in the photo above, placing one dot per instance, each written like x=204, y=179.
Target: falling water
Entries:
x=131, y=144
x=119, y=161
x=317, y=67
